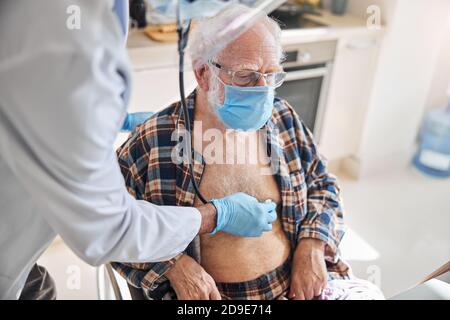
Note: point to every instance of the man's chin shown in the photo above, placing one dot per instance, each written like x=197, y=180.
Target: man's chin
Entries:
x=213, y=104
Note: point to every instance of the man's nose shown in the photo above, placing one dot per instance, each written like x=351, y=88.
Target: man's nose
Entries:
x=261, y=81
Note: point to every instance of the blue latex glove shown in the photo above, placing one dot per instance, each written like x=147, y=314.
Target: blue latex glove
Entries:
x=134, y=119
x=243, y=215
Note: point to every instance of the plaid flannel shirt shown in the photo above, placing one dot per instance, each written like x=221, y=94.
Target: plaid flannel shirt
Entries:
x=311, y=205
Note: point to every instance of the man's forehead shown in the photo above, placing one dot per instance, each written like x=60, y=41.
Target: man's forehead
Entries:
x=251, y=58
x=253, y=49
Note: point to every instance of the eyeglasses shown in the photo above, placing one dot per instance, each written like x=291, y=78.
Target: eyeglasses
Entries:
x=249, y=78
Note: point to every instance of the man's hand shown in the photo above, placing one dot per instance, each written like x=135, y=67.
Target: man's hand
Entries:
x=309, y=272
x=191, y=282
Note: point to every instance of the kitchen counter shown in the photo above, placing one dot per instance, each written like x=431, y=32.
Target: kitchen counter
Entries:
x=164, y=55
x=336, y=27
x=337, y=21
x=148, y=54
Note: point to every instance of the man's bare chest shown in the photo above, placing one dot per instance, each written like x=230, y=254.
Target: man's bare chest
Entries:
x=220, y=180
x=237, y=162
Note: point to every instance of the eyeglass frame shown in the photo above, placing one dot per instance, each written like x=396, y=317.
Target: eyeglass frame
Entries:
x=231, y=73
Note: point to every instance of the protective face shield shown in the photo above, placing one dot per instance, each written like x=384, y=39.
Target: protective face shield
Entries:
x=184, y=11
x=169, y=11
x=189, y=9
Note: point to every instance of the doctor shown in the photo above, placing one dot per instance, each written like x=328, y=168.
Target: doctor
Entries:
x=63, y=98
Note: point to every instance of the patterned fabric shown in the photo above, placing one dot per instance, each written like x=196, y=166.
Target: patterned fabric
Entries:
x=351, y=289
x=270, y=286
x=275, y=285
x=310, y=196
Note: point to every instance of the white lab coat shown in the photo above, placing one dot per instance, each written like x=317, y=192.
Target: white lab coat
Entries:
x=62, y=103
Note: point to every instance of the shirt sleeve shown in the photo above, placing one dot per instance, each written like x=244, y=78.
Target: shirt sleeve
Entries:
x=61, y=108
x=150, y=277
x=324, y=217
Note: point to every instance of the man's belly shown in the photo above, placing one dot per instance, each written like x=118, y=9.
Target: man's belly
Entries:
x=229, y=258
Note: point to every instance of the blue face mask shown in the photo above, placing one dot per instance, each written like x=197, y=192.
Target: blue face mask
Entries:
x=246, y=108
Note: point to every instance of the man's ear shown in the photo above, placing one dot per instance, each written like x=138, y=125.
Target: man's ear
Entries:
x=202, y=75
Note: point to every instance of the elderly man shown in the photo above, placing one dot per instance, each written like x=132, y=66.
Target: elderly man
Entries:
x=233, y=104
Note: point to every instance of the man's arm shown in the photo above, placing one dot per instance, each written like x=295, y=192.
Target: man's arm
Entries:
x=148, y=276
x=324, y=219
x=188, y=278
x=133, y=159
x=322, y=227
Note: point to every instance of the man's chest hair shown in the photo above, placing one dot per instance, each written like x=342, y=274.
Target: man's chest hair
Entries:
x=238, y=162
x=221, y=180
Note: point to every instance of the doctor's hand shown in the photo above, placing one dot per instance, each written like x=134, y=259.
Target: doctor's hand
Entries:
x=309, y=273
x=191, y=282
x=243, y=215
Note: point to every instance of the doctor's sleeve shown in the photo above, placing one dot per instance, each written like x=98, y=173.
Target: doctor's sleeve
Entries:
x=58, y=136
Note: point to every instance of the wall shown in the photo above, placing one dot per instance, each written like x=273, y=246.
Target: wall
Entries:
x=358, y=8
x=437, y=97
x=409, y=56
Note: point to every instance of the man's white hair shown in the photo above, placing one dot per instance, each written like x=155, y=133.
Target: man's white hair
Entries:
x=211, y=35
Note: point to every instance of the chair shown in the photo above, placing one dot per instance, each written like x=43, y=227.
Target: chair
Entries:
x=110, y=285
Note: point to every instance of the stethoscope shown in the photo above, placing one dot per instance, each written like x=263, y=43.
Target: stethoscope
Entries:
x=121, y=9
x=183, y=32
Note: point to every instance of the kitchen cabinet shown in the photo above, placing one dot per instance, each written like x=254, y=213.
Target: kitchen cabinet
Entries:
x=155, y=89
x=350, y=85
x=155, y=73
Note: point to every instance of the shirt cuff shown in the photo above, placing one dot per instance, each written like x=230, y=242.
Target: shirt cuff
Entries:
x=156, y=275
x=319, y=230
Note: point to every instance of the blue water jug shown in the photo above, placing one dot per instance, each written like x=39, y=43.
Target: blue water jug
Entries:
x=433, y=156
